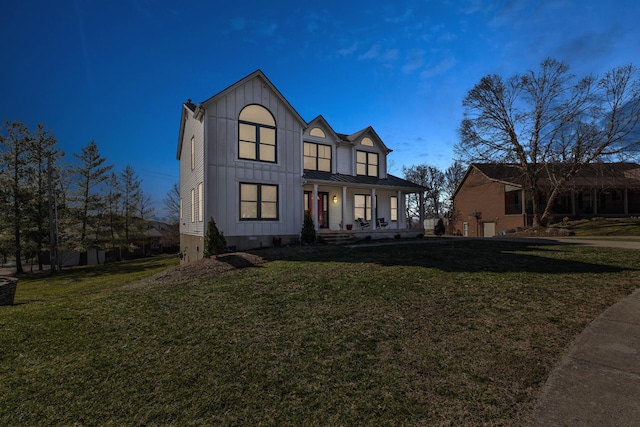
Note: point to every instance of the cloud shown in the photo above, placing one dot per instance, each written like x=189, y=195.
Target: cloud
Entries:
x=414, y=62
x=348, y=50
x=372, y=53
x=439, y=68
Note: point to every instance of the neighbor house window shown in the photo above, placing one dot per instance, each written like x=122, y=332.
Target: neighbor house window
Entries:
x=193, y=204
x=193, y=153
x=200, y=203
x=257, y=134
x=317, y=157
x=258, y=201
x=180, y=207
x=366, y=163
x=394, y=208
x=362, y=206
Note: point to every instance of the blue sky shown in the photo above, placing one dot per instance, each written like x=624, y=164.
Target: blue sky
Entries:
x=117, y=71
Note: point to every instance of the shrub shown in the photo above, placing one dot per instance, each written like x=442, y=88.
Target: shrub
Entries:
x=438, y=230
x=308, y=234
x=214, y=241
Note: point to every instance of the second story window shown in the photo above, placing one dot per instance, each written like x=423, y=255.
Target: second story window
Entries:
x=317, y=157
x=256, y=134
x=366, y=163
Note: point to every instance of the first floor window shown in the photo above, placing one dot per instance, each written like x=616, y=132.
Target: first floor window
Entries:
x=362, y=206
x=258, y=201
x=394, y=208
x=200, y=202
x=193, y=205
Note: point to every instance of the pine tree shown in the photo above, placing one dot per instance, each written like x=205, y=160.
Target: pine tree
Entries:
x=308, y=234
x=90, y=174
x=214, y=241
x=438, y=230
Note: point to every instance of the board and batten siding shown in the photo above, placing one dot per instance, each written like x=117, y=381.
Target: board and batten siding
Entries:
x=189, y=179
x=345, y=162
x=226, y=171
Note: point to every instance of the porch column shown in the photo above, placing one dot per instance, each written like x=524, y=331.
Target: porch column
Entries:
x=399, y=208
x=595, y=201
x=523, y=203
x=374, y=209
x=344, y=207
x=573, y=202
x=625, y=201
x=314, y=206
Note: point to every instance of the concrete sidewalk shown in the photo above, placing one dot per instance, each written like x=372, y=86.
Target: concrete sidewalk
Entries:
x=597, y=382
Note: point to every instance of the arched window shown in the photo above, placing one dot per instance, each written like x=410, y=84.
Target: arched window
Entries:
x=256, y=134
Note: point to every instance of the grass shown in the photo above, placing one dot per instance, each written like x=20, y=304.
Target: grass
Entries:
x=450, y=333
x=600, y=227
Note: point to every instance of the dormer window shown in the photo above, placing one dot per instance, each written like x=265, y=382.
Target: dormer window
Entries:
x=256, y=134
x=366, y=163
x=317, y=157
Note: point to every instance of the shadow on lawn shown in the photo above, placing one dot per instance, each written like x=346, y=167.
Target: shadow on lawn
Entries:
x=459, y=255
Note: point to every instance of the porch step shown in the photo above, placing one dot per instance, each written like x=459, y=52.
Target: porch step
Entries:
x=337, y=238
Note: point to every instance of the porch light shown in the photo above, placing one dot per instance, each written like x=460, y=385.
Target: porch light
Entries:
x=335, y=198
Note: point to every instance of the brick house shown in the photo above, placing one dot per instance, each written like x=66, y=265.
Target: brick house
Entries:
x=491, y=198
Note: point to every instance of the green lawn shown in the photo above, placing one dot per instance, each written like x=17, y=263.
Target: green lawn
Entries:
x=606, y=227
x=456, y=332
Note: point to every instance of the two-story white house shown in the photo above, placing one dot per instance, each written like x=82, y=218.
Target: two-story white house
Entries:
x=253, y=164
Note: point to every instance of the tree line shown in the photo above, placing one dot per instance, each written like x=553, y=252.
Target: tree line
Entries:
x=50, y=205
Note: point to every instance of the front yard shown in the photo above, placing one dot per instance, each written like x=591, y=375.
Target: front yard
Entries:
x=453, y=332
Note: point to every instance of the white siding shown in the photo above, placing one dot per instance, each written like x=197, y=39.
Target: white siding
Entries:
x=189, y=179
x=344, y=160
x=226, y=171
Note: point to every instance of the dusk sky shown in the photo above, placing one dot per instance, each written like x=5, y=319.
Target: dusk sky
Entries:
x=118, y=71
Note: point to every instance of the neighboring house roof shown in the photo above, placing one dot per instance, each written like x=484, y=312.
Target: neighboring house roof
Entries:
x=389, y=182
x=600, y=175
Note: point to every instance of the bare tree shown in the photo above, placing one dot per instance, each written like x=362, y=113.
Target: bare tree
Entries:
x=172, y=203
x=433, y=179
x=452, y=178
x=551, y=125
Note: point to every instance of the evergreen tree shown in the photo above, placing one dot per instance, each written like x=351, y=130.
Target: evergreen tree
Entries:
x=438, y=230
x=43, y=157
x=131, y=196
x=14, y=174
x=214, y=241
x=308, y=234
x=90, y=173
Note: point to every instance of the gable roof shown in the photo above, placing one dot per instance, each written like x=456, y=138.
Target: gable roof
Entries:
x=368, y=131
x=259, y=75
x=190, y=108
x=320, y=121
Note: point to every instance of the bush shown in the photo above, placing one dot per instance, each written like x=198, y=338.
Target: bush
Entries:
x=438, y=230
x=214, y=241
x=308, y=234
